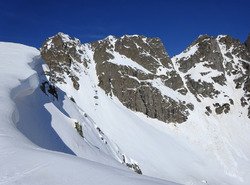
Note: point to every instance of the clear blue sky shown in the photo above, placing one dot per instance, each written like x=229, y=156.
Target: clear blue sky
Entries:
x=177, y=23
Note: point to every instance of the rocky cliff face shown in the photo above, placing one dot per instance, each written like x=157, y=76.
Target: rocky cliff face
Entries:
x=138, y=71
x=61, y=54
x=213, y=68
x=247, y=43
x=132, y=68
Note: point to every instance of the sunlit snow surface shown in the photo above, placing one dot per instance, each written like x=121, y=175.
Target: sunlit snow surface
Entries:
x=26, y=115
x=204, y=149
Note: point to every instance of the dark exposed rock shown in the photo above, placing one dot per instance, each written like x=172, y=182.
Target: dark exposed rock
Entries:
x=56, y=51
x=247, y=85
x=144, y=51
x=132, y=86
x=224, y=56
x=239, y=81
x=137, y=89
x=190, y=106
x=247, y=43
x=75, y=79
x=202, y=88
x=59, y=52
x=219, y=109
x=207, y=49
x=220, y=79
x=243, y=102
x=231, y=101
x=174, y=81
x=133, y=166
x=241, y=74
x=48, y=88
x=78, y=127
x=72, y=99
x=139, y=95
x=209, y=109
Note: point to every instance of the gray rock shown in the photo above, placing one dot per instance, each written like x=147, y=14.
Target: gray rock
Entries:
x=206, y=52
x=59, y=52
x=247, y=43
x=132, y=86
x=135, y=88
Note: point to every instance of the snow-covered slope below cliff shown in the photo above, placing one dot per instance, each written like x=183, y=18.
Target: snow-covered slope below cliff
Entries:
x=87, y=116
x=38, y=141
x=208, y=147
x=202, y=87
x=222, y=133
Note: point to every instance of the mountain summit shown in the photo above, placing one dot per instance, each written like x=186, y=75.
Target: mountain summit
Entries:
x=139, y=72
x=120, y=110
x=202, y=93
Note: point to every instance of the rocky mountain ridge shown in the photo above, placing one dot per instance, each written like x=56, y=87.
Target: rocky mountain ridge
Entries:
x=138, y=71
x=100, y=109
x=215, y=66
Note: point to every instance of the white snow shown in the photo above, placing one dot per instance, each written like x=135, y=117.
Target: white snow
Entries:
x=125, y=61
x=189, y=153
x=38, y=144
x=161, y=70
x=203, y=73
x=223, y=137
x=157, y=83
x=188, y=52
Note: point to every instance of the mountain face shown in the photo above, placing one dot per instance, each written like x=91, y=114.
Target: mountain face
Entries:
x=247, y=43
x=45, y=138
x=130, y=88
x=131, y=68
x=138, y=71
x=97, y=113
x=212, y=68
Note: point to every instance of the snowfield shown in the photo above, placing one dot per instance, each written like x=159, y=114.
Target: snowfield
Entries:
x=39, y=144
x=35, y=134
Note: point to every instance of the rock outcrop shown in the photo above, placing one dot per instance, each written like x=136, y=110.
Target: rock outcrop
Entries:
x=130, y=68
x=139, y=72
x=61, y=53
x=247, y=43
x=211, y=65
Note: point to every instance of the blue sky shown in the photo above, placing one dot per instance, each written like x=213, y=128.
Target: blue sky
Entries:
x=177, y=23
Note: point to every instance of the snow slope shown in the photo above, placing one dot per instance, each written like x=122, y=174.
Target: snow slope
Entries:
x=38, y=141
x=213, y=150
x=226, y=136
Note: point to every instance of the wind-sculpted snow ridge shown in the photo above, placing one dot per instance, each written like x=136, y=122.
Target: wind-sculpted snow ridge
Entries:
x=38, y=140
x=129, y=85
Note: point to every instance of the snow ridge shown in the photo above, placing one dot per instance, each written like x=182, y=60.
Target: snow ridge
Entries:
x=24, y=162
